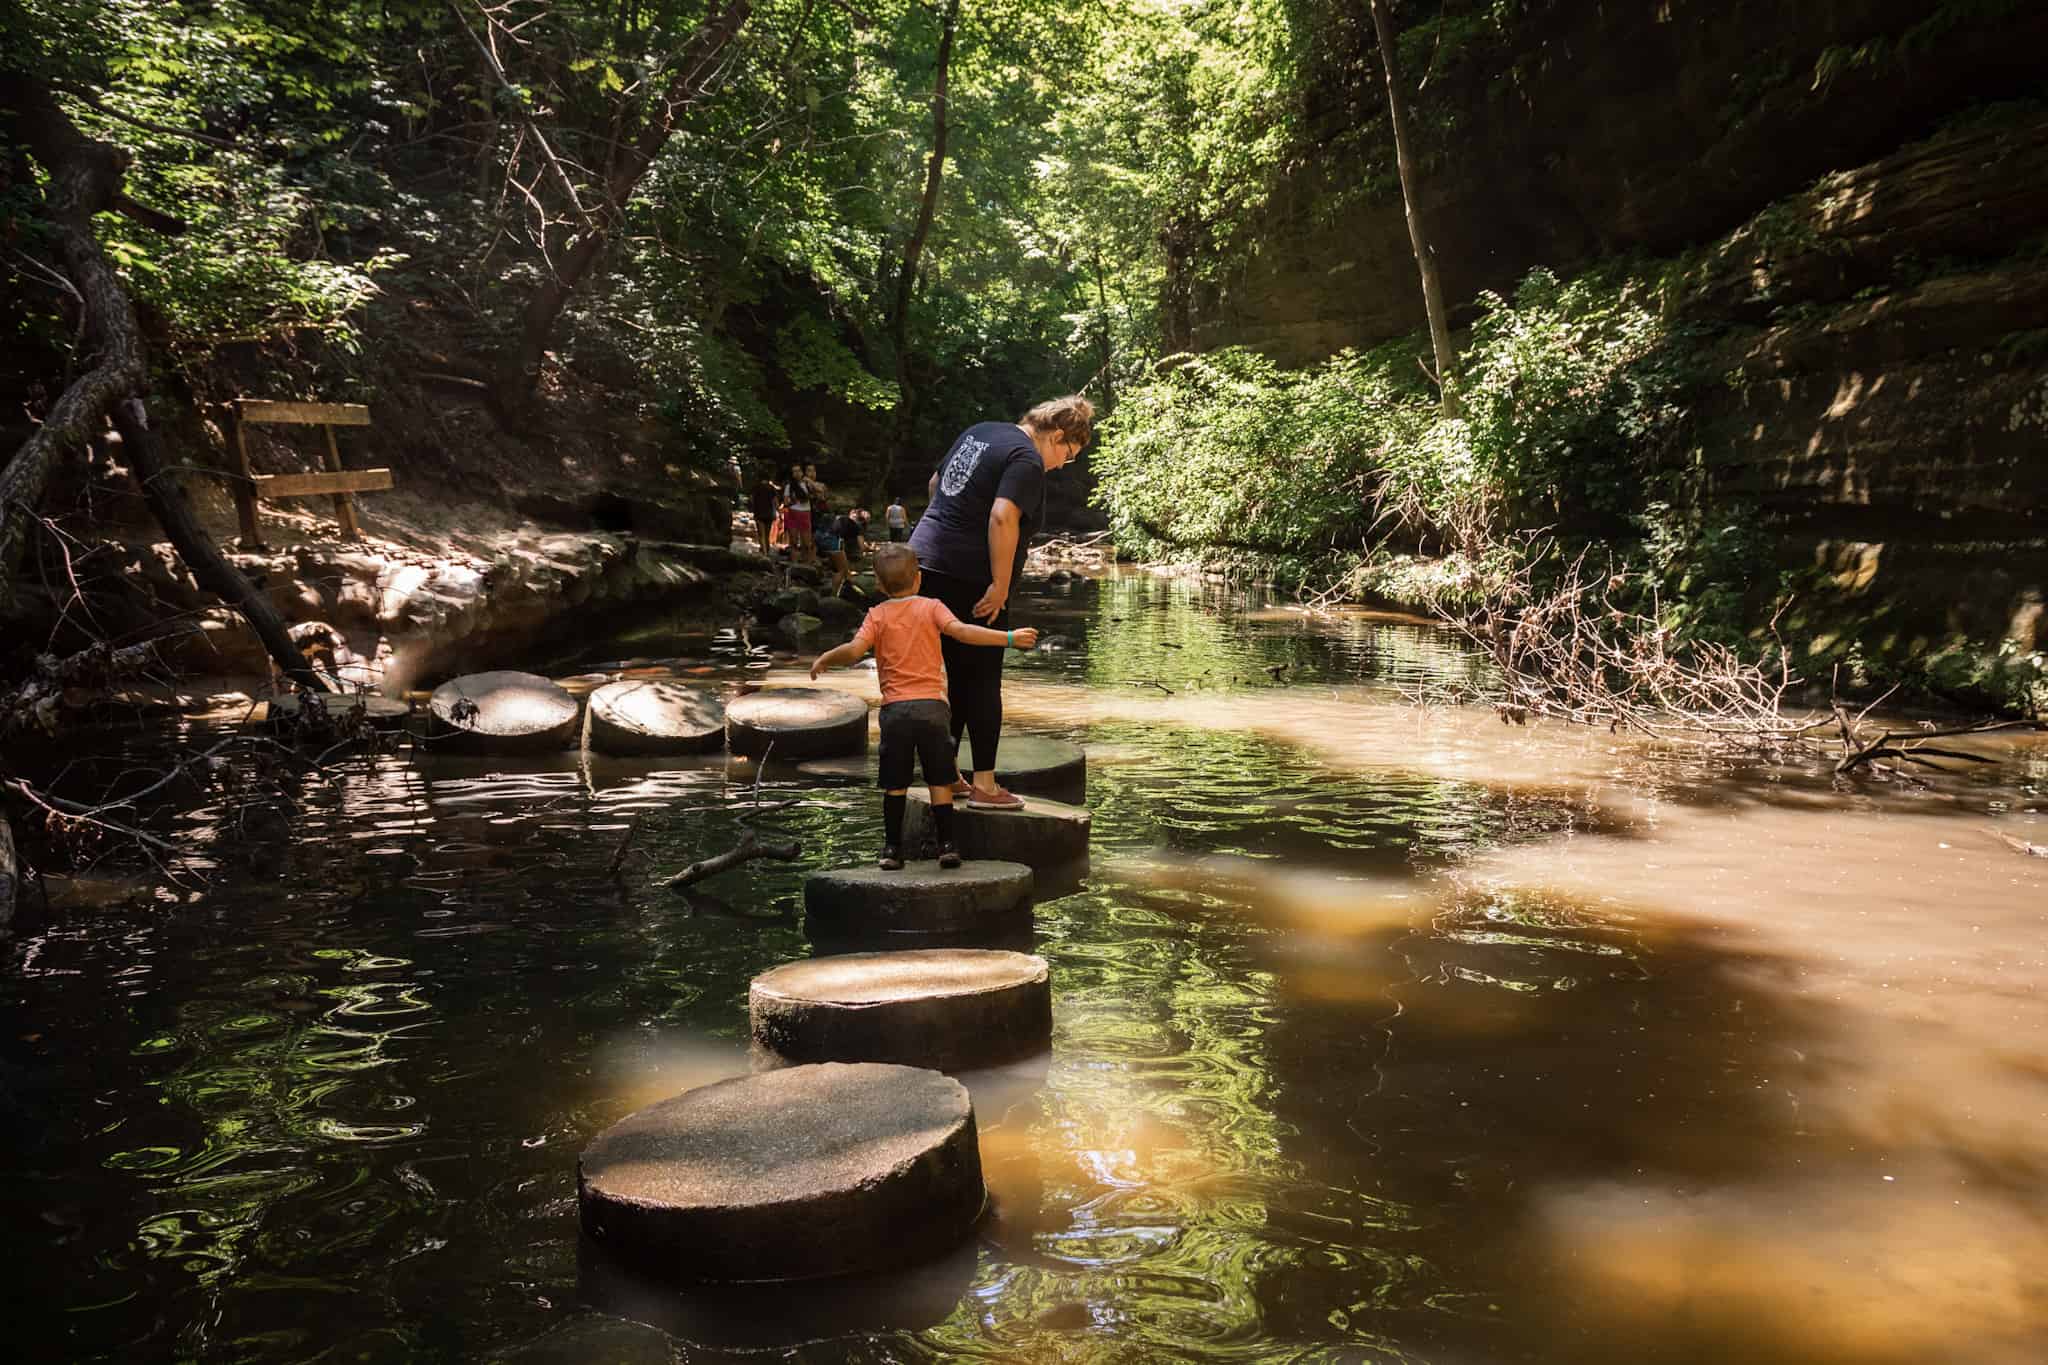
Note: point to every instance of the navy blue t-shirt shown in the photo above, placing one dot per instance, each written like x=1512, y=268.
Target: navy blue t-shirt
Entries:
x=989, y=460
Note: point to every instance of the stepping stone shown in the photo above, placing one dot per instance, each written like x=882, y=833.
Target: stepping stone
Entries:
x=502, y=713
x=813, y=1171
x=975, y=900
x=381, y=713
x=654, y=718
x=1046, y=834
x=948, y=1008
x=1030, y=764
x=801, y=722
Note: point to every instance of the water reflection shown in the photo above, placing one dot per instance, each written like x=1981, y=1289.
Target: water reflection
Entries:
x=1379, y=1034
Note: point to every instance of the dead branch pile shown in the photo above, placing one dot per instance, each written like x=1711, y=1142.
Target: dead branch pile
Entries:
x=1574, y=645
x=1889, y=751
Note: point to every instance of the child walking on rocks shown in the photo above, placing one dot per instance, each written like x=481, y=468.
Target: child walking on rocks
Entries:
x=916, y=726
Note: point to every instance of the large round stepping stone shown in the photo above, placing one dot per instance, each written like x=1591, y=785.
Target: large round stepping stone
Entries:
x=801, y=722
x=978, y=899
x=379, y=713
x=503, y=713
x=1045, y=834
x=647, y=717
x=1031, y=764
x=813, y=1171
x=950, y=1008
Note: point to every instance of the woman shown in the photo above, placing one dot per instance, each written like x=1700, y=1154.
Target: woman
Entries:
x=796, y=515
x=897, y=519
x=988, y=496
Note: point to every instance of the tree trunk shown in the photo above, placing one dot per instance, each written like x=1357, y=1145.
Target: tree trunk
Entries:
x=1108, y=342
x=1425, y=259
x=695, y=70
x=913, y=250
x=85, y=176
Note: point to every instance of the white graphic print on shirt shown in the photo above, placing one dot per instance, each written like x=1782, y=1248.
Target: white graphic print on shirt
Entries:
x=960, y=465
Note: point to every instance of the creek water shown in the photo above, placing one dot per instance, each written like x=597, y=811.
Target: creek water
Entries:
x=1380, y=1033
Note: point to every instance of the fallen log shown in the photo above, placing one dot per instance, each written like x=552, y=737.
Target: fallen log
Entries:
x=749, y=849
x=142, y=444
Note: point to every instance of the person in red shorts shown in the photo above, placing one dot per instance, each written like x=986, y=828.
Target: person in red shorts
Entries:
x=917, y=730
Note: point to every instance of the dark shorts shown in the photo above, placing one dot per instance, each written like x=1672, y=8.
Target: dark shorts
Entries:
x=914, y=734
x=827, y=541
x=898, y=534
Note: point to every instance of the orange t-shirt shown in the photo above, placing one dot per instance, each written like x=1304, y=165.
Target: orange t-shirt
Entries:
x=904, y=633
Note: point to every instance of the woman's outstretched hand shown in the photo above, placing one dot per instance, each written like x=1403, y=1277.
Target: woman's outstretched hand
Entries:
x=1027, y=638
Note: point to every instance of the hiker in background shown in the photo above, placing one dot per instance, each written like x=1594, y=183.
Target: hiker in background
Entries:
x=796, y=516
x=897, y=519
x=762, y=503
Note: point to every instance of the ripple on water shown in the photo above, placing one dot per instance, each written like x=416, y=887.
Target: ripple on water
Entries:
x=1307, y=1074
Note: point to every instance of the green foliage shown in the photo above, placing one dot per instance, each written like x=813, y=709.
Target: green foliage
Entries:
x=1230, y=449
x=1569, y=390
x=813, y=357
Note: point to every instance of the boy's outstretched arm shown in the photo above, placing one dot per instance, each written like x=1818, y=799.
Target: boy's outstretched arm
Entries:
x=1027, y=638
x=845, y=654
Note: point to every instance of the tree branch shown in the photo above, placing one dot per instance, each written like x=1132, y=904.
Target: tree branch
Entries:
x=91, y=100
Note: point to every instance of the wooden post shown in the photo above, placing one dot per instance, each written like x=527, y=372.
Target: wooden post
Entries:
x=344, y=504
x=245, y=486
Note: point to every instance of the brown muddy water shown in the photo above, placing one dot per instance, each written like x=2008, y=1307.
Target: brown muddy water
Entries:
x=1381, y=1034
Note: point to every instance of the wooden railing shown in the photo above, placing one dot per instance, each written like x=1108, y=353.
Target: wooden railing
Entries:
x=337, y=482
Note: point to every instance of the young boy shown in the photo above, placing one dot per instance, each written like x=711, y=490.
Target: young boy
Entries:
x=904, y=634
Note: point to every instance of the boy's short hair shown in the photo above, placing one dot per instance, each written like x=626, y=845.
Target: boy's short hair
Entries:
x=895, y=567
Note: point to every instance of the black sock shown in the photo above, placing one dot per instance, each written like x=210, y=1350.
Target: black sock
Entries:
x=892, y=820
x=942, y=822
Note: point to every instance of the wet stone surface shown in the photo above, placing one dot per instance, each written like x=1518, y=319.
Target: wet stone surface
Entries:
x=799, y=722
x=795, y=1174
x=504, y=712
x=949, y=1008
x=1045, y=834
x=988, y=897
x=645, y=716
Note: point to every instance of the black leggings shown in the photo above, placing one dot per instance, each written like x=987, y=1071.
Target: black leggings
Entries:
x=974, y=673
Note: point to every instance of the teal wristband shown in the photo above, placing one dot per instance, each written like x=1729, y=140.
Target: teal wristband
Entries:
x=1010, y=639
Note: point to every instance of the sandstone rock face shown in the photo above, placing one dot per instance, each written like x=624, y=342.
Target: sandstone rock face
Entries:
x=1859, y=233
x=795, y=1174
x=1624, y=132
